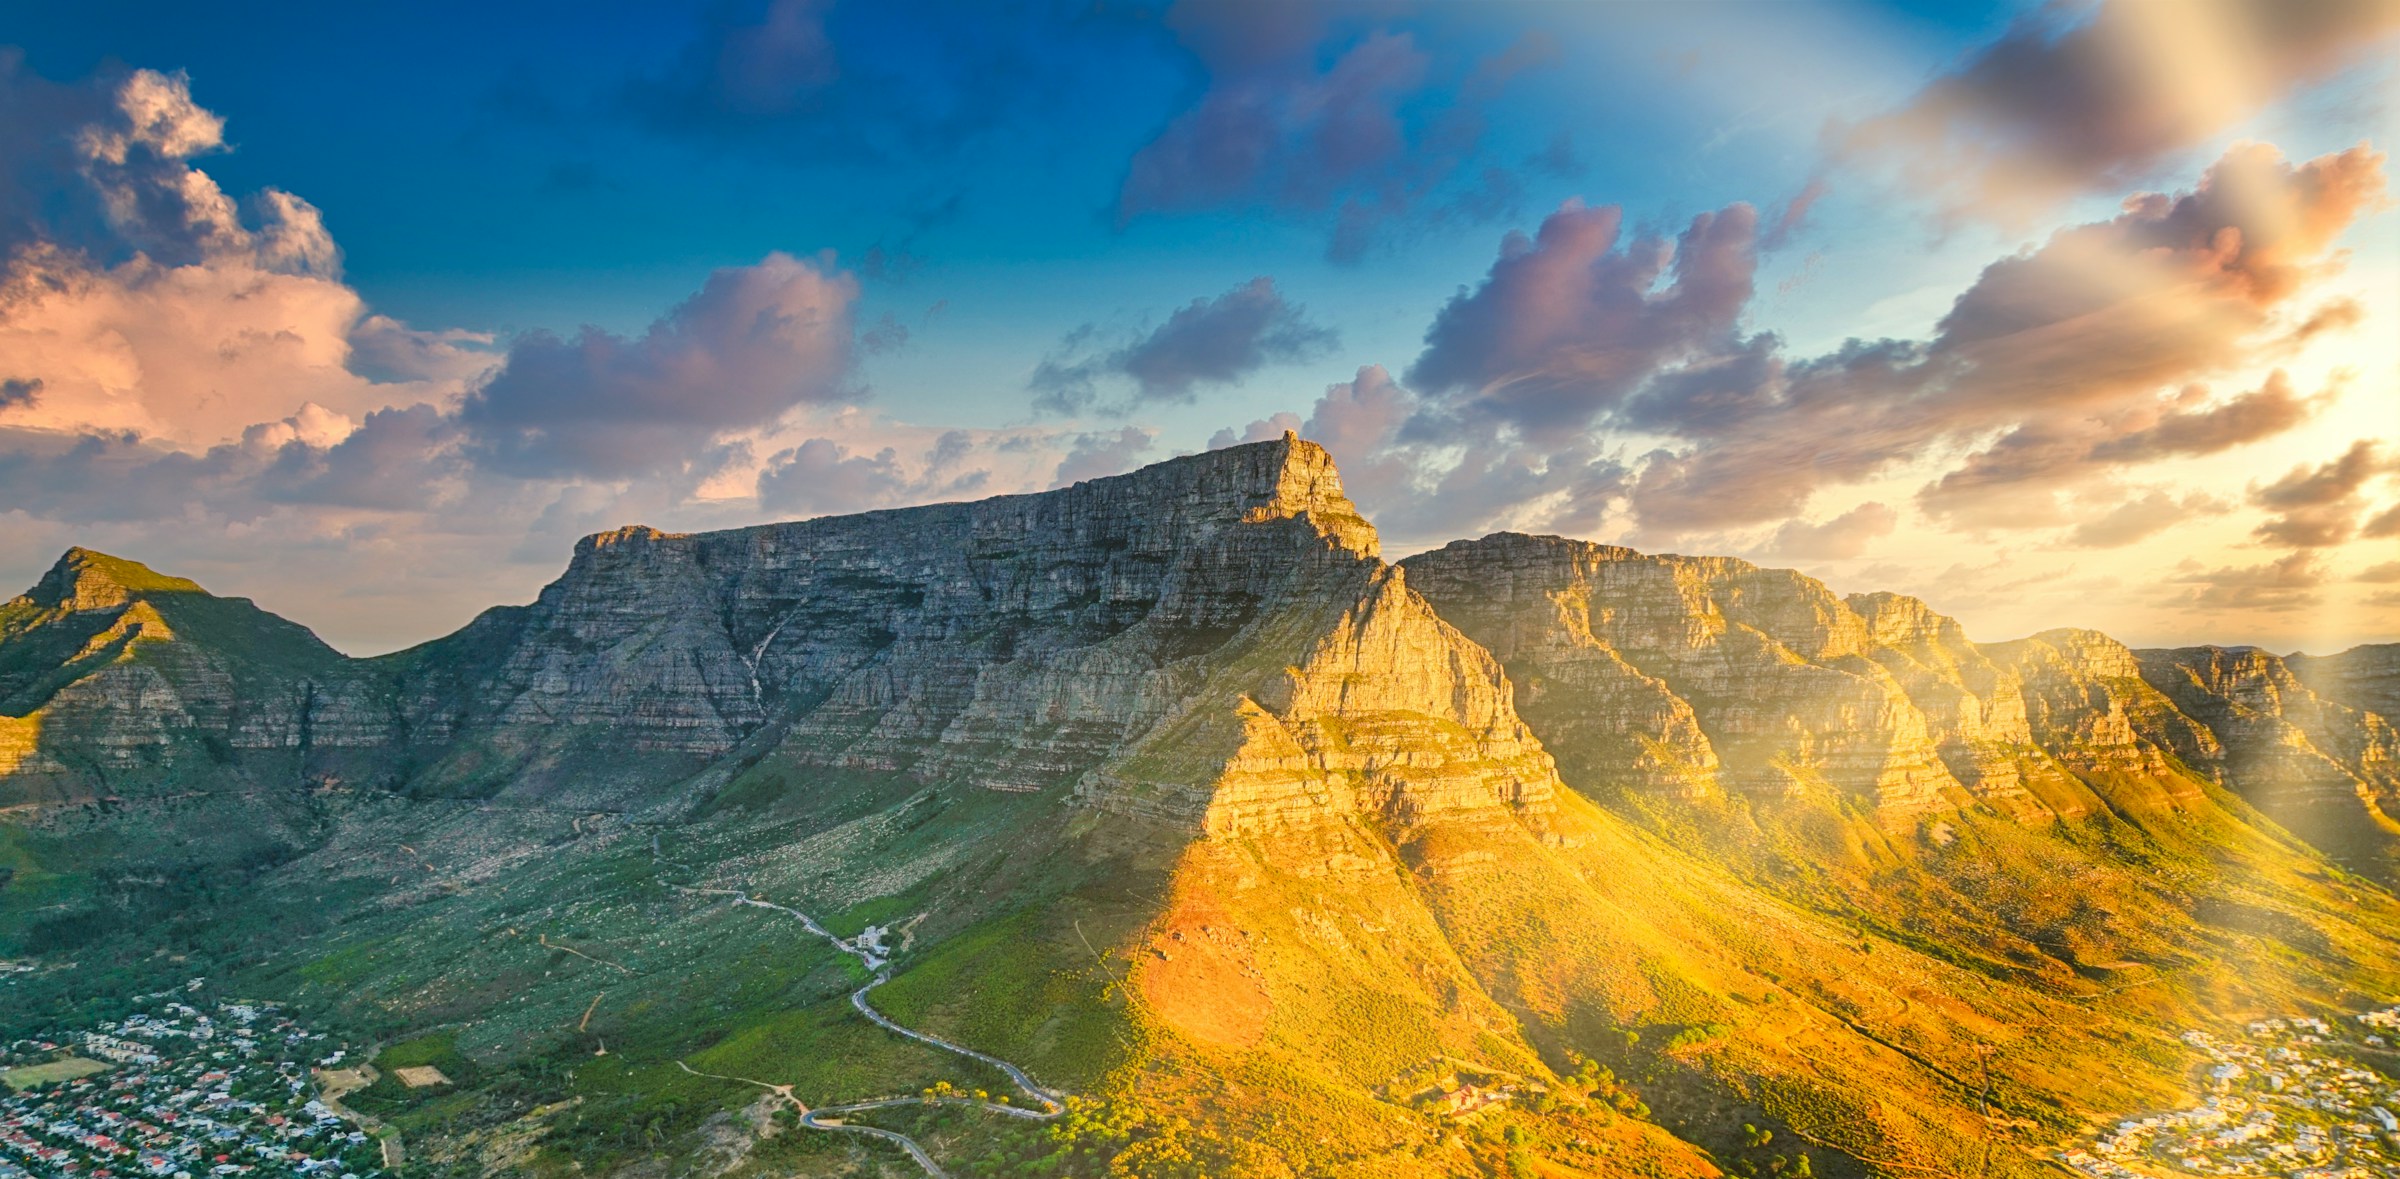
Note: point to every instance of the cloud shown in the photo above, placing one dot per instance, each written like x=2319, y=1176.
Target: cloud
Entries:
x=1205, y=342
x=136, y=295
x=2385, y=523
x=230, y=394
x=2011, y=482
x=2289, y=582
x=2043, y=351
x=397, y=460
x=1569, y=322
x=1794, y=216
x=2056, y=371
x=822, y=476
x=1103, y=453
x=1840, y=539
x=2183, y=429
x=2315, y=507
x=2386, y=573
x=755, y=342
x=2139, y=518
x=1348, y=144
x=1266, y=429
x=2072, y=100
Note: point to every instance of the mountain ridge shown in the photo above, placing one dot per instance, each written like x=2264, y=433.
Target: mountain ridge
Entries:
x=1180, y=786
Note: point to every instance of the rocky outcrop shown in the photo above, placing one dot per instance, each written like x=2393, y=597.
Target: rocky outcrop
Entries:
x=1382, y=712
x=2088, y=708
x=2328, y=772
x=1690, y=676
x=2366, y=677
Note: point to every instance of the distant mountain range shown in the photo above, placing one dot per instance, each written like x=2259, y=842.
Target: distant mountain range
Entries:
x=1190, y=804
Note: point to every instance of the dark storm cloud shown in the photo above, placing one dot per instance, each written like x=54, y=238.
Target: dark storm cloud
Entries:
x=755, y=342
x=16, y=391
x=1205, y=342
x=2072, y=101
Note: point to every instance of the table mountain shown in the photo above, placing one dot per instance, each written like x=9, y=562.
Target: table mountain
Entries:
x=1169, y=788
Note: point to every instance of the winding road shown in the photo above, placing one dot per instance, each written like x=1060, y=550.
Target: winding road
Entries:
x=869, y=953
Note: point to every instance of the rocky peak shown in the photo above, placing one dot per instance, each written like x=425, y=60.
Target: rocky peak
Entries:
x=84, y=579
x=1897, y=620
x=1255, y=483
x=2088, y=652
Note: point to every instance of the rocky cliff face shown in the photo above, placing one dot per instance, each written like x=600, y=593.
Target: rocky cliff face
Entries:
x=1222, y=619
x=2366, y=677
x=1692, y=677
x=2328, y=772
x=1689, y=677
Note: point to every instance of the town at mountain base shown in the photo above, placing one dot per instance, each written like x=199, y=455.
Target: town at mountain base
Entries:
x=1525, y=856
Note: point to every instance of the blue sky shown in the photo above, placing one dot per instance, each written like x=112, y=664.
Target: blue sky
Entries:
x=1040, y=231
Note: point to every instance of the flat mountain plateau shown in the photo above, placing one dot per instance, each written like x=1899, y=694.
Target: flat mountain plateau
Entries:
x=1525, y=856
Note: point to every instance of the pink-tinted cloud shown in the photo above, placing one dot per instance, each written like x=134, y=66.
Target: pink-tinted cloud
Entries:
x=136, y=295
x=1204, y=342
x=2048, y=348
x=1569, y=323
x=2010, y=482
x=1422, y=490
x=754, y=343
x=2074, y=100
x=1103, y=453
x=2141, y=517
x=2318, y=506
x=1842, y=538
x=2289, y=582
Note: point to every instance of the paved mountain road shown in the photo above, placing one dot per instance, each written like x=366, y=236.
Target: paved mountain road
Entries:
x=870, y=954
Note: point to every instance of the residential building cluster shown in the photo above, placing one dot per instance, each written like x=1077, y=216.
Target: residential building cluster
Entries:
x=2287, y=1097
x=178, y=1091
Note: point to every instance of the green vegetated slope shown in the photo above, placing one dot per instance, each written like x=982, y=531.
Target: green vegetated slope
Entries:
x=1529, y=858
